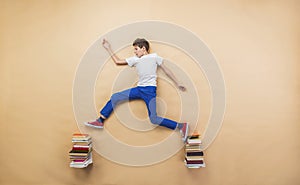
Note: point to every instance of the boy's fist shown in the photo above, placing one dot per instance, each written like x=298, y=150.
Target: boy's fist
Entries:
x=105, y=44
x=181, y=87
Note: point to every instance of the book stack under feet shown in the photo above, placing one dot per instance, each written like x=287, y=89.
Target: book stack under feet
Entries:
x=193, y=153
x=81, y=153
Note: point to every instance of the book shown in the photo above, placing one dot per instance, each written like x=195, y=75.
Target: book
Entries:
x=193, y=150
x=194, y=141
x=81, y=149
x=80, y=135
x=78, y=154
x=82, y=143
x=195, y=165
x=193, y=136
x=81, y=146
x=81, y=163
x=76, y=140
x=195, y=162
x=194, y=158
x=200, y=153
x=73, y=157
x=188, y=146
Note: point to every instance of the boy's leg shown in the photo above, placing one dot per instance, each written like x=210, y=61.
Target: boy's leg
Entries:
x=151, y=106
x=116, y=98
x=149, y=96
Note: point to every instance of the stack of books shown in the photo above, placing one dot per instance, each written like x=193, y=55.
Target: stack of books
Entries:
x=193, y=153
x=81, y=153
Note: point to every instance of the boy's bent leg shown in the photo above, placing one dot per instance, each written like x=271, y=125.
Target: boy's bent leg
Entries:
x=163, y=122
x=107, y=109
x=117, y=98
x=183, y=127
x=150, y=100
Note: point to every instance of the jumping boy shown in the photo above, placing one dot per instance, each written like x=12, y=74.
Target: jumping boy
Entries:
x=146, y=65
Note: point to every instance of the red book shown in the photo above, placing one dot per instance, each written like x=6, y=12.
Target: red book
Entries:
x=79, y=160
x=81, y=151
x=194, y=162
x=80, y=148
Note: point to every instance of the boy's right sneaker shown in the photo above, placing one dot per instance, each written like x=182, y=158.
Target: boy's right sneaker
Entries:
x=95, y=124
x=184, y=131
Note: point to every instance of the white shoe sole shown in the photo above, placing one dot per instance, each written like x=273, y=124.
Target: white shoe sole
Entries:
x=93, y=126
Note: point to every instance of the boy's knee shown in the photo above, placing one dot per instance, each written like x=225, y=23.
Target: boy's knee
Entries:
x=114, y=96
x=155, y=120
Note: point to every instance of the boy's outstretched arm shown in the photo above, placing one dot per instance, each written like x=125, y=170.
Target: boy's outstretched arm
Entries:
x=115, y=58
x=171, y=75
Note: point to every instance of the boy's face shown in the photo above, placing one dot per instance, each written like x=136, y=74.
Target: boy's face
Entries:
x=139, y=52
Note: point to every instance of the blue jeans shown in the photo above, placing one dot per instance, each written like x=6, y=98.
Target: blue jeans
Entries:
x=148, y=94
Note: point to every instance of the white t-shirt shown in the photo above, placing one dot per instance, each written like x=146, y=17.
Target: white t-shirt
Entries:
x=146, y=67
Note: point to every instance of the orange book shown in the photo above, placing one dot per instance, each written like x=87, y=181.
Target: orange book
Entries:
x=80, y=135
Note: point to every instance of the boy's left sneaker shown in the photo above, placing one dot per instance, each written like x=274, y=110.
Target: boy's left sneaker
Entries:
x=95, y=124
x=184, y=131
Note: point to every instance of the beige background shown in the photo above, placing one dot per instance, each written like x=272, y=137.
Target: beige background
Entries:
x=256, y=44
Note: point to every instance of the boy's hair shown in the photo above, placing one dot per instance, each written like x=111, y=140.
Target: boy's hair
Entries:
x=140, y=43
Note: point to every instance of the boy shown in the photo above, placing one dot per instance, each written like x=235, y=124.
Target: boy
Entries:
x=146, y=65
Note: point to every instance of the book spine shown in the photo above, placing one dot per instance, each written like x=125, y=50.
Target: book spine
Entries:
x=194, y=153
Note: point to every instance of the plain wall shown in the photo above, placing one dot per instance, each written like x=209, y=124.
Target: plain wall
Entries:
x=257, y=47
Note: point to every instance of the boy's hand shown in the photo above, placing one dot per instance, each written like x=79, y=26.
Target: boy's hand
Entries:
x=106, y=44
x=181, y=87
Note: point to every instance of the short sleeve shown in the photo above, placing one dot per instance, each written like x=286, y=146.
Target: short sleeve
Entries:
x=131, y=61
x=159, y=60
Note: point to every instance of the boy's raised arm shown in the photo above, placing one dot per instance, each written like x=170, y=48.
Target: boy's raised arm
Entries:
x=115, y=58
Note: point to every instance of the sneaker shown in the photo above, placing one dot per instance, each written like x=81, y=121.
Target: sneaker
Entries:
x=95, y=124
x=184, y=131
